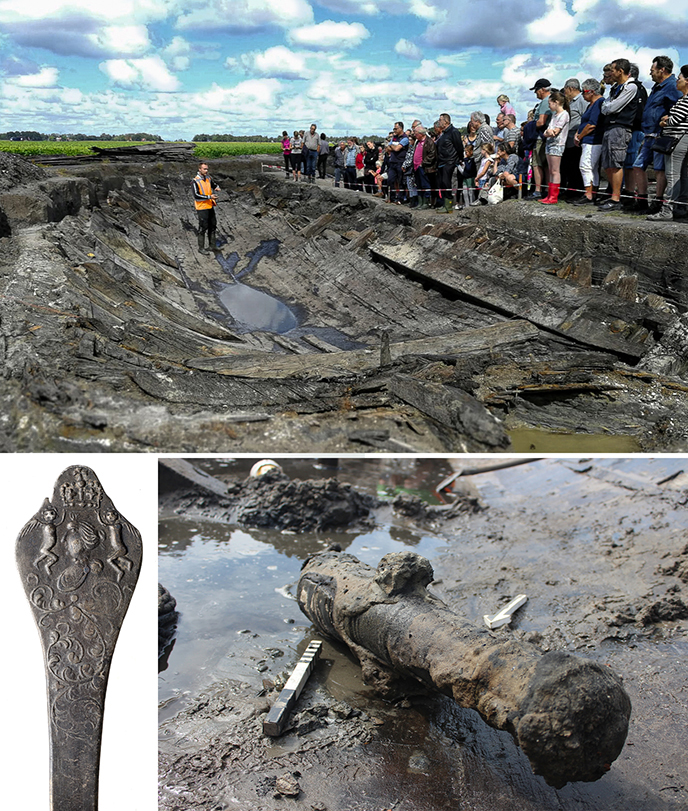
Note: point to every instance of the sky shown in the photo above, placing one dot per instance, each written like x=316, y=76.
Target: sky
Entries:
x=179, y=68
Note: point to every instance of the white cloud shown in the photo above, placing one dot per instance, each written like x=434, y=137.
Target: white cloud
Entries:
x=121, y=40
x=278, y=62
x=429, y=71
x=426, y=11
x=329, y=34
x=245, y=15
x=130, y=11
x=72, y=95
x=410, y=50
x=368, y=7
x=555, y=26
x=46, y=77
x=148, y=73
x=253, y=96
x=177, y=54
x=594, y=57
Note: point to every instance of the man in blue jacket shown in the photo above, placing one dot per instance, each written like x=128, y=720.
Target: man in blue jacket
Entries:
x=661, y=99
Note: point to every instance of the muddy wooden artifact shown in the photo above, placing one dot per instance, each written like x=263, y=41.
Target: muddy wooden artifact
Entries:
x=569, y=715
x=79, y=560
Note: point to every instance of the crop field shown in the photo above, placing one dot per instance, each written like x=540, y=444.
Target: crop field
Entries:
x=224, y=149
x=29, y=148
x=204, y=149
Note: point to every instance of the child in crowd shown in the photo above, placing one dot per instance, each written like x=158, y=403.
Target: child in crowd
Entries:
x=468, y=171
x=379, y=178
x=486, y=160
x=556, y=134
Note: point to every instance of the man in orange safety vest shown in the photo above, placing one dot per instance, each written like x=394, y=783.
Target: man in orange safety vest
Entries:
x=205, y=201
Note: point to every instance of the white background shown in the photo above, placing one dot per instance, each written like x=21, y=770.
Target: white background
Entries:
x=129, y=754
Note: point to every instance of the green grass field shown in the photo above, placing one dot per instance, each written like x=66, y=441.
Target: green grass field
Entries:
x=29, y=148
x=220, y=149
x=206, y=149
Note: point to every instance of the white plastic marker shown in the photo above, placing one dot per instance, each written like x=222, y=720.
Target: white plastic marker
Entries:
x=504, y=616
x=279, y=713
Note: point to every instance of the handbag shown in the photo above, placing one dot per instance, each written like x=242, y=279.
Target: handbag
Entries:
x=665, y=144
x=495, y=194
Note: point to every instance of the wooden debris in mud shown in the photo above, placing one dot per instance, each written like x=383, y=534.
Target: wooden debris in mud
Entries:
x=141, y=152
x=589, y=316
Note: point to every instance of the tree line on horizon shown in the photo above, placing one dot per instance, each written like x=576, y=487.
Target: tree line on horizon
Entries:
x=32, y=135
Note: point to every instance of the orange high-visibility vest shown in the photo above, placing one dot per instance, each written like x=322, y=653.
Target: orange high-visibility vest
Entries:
x=203, y=187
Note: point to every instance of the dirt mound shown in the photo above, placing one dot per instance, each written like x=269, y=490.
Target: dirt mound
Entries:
x=275, y=501
x=15, y=171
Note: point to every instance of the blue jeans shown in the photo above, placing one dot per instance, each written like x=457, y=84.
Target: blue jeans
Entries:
x=311, y=161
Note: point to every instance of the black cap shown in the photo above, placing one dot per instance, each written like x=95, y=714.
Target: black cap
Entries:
x=540, y=84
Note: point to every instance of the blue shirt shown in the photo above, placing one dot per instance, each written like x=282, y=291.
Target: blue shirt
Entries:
x=592, y=116
x=659, y=102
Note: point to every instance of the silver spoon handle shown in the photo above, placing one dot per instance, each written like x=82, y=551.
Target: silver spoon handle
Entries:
x=79, y=560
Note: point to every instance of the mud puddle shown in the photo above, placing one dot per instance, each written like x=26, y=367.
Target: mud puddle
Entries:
x=532, y=440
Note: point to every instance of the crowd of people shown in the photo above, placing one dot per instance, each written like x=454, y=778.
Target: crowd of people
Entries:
x=570, y=138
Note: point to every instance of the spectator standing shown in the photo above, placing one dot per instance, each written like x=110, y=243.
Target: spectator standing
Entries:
x=471, y=133
x=323, y=154
x=311, y=147
x=350, y=163
x=370, y=158
x=483, y=131
x=396, y=149
x=467, y=171
x=556, y=135
x=424, y=165
x=663, y=96
x=589, y=136
x=636, y=136
x=543, y=113
x=675, y=125
x=449, y=152
x=339, y=162
x=296, y=156
x=286, y=152
x=620, y=111
x=570, y=173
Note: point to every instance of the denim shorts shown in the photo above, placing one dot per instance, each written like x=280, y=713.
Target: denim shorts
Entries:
x=554, y=149
x=646, y=156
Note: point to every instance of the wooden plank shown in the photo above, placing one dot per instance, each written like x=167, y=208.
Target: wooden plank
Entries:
x=452, y=407
x=189, y=474
x=589, y=316
x=340, y=364
x=278, y=716
x=318, y=343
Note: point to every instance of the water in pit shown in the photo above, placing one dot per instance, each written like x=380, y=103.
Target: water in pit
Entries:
x=255, y=310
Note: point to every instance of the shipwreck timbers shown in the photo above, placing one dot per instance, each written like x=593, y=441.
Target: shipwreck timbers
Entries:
x=569, y=715
x=117, y=333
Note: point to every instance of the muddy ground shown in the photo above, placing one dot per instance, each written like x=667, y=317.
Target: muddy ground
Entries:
x=319, y=324
x=598, y=546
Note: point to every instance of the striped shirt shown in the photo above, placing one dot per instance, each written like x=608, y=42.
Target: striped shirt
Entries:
x=677, y=123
